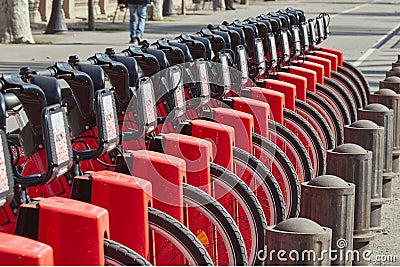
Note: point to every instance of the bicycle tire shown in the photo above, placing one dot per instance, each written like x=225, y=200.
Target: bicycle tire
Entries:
x=358, y=74
x=263, y=184
x=329, y=114
x=356, y=83
x=181, y=237
x=283, y=171
x=350, y=88
x=251, y=206
x=116, y=254
x=311, y=138
x=290, y=143
x=334, y=100
x=345, y=98
x=318, y=122
x=228, y=231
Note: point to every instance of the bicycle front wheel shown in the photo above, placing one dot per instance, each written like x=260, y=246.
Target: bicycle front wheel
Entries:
x=245, y=209
x=282, y=169
x=116, y=254
x=216, y=229
x=174, y=243
x=263, y=184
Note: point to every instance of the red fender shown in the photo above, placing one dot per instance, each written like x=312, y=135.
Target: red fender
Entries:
x=322, y=61
x=67, y=225
x=126, y=198
x=336, y=52
x=242, y=122
x=196, y=152
x=298, y=80
x=275, y=100
x=166, y=173
x=286, y=88
x=222, y=138
x=22, y=251
x=260, y=111
x=311, y=77
x=318, y=68
x=332, y=57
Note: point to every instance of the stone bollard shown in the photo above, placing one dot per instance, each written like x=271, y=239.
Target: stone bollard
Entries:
x=392, y=82
x=393, y=72
x=329, y=201
x=397, y=63
x=353, y=163
x=382, y=116
x=370, y=136
x=298, y=241
x=390, y=99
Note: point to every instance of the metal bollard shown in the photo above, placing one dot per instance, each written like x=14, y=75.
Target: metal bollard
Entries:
x=390, y=99
x=382, y=116
x=397, y=63
x=353, y=163
x=329, y=201
x=370, y=136
x=392, y=82
x=298, y=241
x=393, y=72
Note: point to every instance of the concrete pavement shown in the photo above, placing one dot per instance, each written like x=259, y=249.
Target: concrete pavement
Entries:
x=366, y=30
x=356, y=27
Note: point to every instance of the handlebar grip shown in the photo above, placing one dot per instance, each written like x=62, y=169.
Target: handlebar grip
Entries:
x=49, y=72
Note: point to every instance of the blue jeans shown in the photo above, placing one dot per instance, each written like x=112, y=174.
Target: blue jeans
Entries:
x=137, y=26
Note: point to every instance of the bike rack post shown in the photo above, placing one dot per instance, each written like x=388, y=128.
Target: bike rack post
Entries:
x=382, y=116
x=370, y=136
x=353, y=164
x=65, y=224
x=328, y=200
x=294, y=236
x=390, y=99
x=18, y=250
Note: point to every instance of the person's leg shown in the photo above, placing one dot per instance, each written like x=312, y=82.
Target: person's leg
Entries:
x=133, y=20
x=142, y=14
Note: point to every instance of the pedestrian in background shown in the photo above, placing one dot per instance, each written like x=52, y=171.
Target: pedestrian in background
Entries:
x=229, y=5
x=137, y=21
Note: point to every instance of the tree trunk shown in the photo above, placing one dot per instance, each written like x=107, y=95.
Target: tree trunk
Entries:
x=157, y=10
x=14, y=22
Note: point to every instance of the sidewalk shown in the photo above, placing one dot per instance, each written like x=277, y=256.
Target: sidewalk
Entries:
x=78, y=41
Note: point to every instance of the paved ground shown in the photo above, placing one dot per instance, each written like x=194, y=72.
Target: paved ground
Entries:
x=367, y=31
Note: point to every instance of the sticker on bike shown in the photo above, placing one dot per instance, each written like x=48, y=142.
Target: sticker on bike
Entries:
x=225, y=71
x=205, y=89
x=260, y=56
x=243, y=64
x=109, y=118
x=4, y=187
x=179, y=93
x=149, y=104
x=59, y=138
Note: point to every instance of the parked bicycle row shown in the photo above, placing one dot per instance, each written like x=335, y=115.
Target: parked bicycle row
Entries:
x=181, y=151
